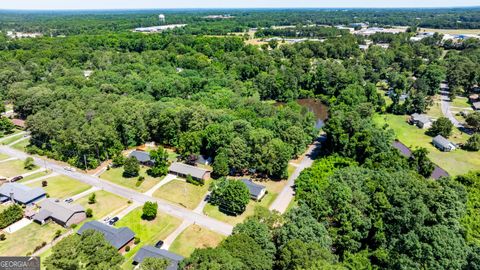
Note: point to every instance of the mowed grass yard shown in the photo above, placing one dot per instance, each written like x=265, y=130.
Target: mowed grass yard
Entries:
x=35, y=176
x=11, y=138
x=106, y=203
x=62, y=187
x=182, y=193
x=13, y=168
x=26, y=239
x=149, y=232
x=3, y=156
x=114, y=175
x=455, y=163
x=22, y=145
x=194, y=237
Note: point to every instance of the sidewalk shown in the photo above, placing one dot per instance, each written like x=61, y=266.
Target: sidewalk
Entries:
x=24, y=222
x=171, y=238
x=85, y=193
x=19, y=140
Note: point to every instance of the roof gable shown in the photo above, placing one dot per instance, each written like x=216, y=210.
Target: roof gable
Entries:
x=21, y=193
x=117, y=237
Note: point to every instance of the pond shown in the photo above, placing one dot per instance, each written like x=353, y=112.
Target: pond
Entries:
x=319, y=110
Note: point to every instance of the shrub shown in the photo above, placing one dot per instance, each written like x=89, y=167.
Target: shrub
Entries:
x=473, y=143
x=127, y=248
x=150, y=210
x=92, y=199
x=44, y=183
x=89, y=212
x=118, y=160
x=2, y=237
x=196, y=182
x=57, y=234
x=136, y=241
x=10, y=215
x=29, y=163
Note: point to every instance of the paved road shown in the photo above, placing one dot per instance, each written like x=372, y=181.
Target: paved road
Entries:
x=286, y=195
x=445, y=103
x=163, y=206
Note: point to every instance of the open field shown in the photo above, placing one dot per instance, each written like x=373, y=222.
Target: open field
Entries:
x=114, y=175
x=452, y=31
x=195, y=237
x=35, y=176
x=149, y=232
x=13, y=168
x=182, y=193
x=107, y=203
x=455, y=163
x=12, y=139
x=26, y=239
x=212, y=210
x=62, y=187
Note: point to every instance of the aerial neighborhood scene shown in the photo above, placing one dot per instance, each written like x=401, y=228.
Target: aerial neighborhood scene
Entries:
x=263, y=135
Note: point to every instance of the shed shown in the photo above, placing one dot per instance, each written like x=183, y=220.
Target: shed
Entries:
x=152, y=252
x=117, y=237
x=443, y=144
x=183, y=170
x=257, y=192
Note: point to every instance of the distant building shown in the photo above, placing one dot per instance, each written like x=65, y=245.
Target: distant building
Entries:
x=21, y=194
x=257, y=192
x=155, y=29
x=443, y=144
x=117, y=237
x=65, y=214
x=183, y=170
x=142, y=157
x=420, y=120
x=161, y=18
x=152, y=252
x=20, y=123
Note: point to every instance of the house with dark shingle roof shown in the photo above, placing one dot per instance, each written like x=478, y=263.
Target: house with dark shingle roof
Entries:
x=152, y=252
x=21, y=194
x=65, y=214
x=117, y=237
x=256, y=191
x=183, y=170
x=443, y=144
x=142, y=157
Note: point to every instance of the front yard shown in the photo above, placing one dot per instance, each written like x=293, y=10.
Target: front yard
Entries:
x=13, y=168
x=195, y=237
x=115, y=175
x=183, y=193
x=62, y=187
x=106, y=203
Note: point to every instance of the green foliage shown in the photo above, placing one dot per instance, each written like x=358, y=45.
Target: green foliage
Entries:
x=90, y=250
x=220, y=165
x=154, y=264
x=118, y=160
x=471, y=181
x=10, y=215
x=131, y=167
x=150, y=210
x=89, y=212
x=92, y=199
x=212, y=259
x=420, y=162
x=242, y=246
x=259, y=232
x=160, y=162
x=29, y=163
x=297, y=254
x=473, y=121
x=442, y=126
x=231, y=196
x=473, y=143
x=196, y=182
x=6, y=126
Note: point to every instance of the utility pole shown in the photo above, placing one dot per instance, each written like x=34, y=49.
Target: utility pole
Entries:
x=85, y=161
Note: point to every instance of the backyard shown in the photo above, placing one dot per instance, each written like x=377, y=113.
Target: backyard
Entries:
x=115, y=175
x=195, y=237
x=61, y=187
x=182, y=193
x=455, y=162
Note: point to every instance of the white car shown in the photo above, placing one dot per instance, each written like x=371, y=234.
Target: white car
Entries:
x=70, y=169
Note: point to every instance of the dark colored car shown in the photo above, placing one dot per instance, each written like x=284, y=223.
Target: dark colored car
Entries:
x=70, y=200
x=113, y=221
x=159, y=244
x=16, y=178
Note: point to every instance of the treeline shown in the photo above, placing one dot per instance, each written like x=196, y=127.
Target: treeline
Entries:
x=300, y=31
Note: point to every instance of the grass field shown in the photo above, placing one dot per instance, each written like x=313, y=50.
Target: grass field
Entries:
x=107, y=203
x=452, y=31
x=212, y=210
x=3, y=156
x=182, y=193
x=195, y=237
x=12, y=139
x=62, y=187
x=149, y=232
x=26, y=239
x=35, y=176
x=13, y=168
x=435, y=111
x=22, y=146
x=455, y=162
x=115, y=175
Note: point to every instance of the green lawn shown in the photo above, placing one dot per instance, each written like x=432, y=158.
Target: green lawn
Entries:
x=107, y=203
x=461, y=102
x=435, y=111
x=26, y=239
x=212, y=210
x=290, y=169
x=455, y=162
x=13, y=168
x=12, y=139
x=195, y=237
x=35, y=176
x=22, y=146
x=182, y=193
x=3, y=156
x=149, y=232
x=62, y=187
x=115, y=175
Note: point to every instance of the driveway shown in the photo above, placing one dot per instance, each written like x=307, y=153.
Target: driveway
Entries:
x=24, y=222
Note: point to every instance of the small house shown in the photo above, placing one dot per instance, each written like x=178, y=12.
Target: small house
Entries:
x=142, y=157
x=19, y=123
x=257, y=192
x=117, y=237
x=420, y=120
x=182, y=170
x=63, y=213
x=443, y=144
x=21, y=194
x=153, y=252
x=476, y=106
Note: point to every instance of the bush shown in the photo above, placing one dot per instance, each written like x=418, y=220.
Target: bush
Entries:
x=10, y=215
x=136, y=241
x=2, y=237
x=141, y=178
x=195, y=182
x=150, y=210
x=92, y=199
x=29, y=163
x=89, y=212
x=118, y=160
x=57, y=234
x=473, y=143
x=44, y=183
x=127, y=248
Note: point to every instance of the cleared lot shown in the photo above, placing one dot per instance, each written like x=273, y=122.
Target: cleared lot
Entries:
x=114, y=175
x=182, y=193
x=195, y=237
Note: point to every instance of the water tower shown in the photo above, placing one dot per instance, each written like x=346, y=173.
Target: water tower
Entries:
x=161, y=17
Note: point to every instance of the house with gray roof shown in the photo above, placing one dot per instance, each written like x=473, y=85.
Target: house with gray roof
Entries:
x=256, y=191
x=21, y=194
x=476, y=106
x=183, y=170
x=65, y=214
x=117, y=237
x=420, y=120
x=152, y=252
x=443, y=144
x=142, y=157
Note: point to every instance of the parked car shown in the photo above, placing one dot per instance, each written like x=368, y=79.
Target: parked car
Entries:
x=70, y=169
x=113, y=221
x=16, y=178
x=69, y=200
x=159, y=244
x=106, y=219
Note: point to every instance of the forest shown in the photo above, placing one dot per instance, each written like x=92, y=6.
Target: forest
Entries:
x=362, y=205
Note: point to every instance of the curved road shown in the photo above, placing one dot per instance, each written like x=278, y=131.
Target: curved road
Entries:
x=445, y=106
x=169, y=208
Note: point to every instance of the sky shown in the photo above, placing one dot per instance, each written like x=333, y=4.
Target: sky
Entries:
x=169, y=4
